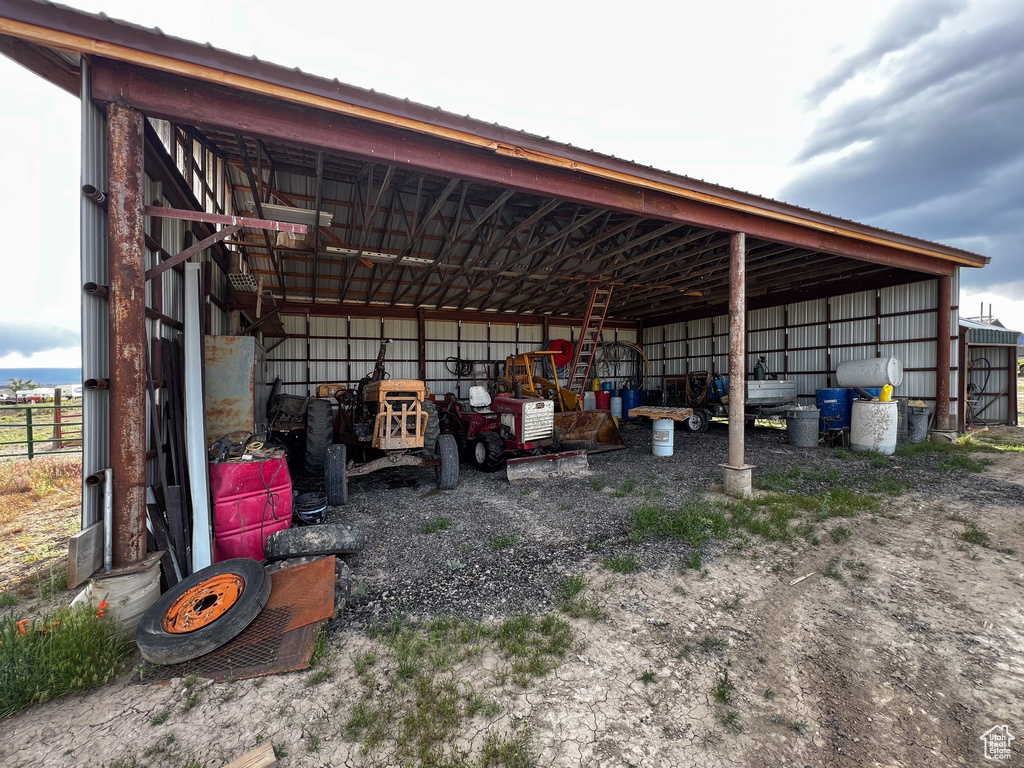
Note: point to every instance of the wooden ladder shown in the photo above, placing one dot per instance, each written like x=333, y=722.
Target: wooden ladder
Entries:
x=583, y=357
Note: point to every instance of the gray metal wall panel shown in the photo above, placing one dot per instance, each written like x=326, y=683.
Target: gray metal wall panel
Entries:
x=531, y=334
x=95, y=323
x=336, y=327
x=501, y=332
x=400, y=329
x=853, y=305
x=441, y=330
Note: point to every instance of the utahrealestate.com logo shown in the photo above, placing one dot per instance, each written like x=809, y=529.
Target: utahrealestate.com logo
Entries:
x=997, y=742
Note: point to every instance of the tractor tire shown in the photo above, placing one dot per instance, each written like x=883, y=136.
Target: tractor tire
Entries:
x=698, y=422
x=319, y=434
x=448, y=468
x=203, y=612
x=489, y=452
x=336, y=475
x=328, y=539
x=433, y=429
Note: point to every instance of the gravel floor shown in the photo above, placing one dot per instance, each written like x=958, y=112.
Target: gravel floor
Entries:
x=506, y=548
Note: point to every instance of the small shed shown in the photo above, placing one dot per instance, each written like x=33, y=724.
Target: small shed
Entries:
x=989, y=388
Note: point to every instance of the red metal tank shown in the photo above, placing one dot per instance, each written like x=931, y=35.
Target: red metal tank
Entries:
x=251, y=500
x=604, y=399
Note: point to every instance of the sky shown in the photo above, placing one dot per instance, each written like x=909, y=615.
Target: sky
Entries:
x=905, y=115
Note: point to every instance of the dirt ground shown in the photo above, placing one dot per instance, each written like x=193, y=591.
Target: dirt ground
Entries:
x=897, y=646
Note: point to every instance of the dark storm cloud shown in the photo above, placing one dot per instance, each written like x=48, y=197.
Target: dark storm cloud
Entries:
x=937, y=150
x=28, y=339
x=906, y=24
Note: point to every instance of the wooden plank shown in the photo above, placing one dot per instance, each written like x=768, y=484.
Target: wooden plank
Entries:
x=261, y=757
x=661, y=412
x=85, y=554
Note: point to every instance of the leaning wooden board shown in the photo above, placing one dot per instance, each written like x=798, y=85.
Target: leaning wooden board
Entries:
x=660, y=412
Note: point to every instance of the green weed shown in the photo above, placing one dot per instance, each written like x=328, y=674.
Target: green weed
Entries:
x=840, y=535
x=723, y=688
x=622, y=563
x=66, y=651
x=436, y=525
x=972, y=534
x=504, y=542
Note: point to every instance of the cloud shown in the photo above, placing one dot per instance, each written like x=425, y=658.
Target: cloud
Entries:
x=921, y=132
x=906, y=24
x=26, y=340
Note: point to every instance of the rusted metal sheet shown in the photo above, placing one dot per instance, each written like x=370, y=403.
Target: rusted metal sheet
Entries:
x=127, y=292
x=234, y=391
x=737, y=340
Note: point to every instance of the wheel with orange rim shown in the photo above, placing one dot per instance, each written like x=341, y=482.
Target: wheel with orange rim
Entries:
x=203, y=612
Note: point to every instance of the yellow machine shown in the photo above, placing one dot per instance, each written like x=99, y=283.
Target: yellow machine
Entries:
x=529, y=371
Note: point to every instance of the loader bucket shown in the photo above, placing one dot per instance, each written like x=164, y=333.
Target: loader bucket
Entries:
x=564, y=464
x=593, y=431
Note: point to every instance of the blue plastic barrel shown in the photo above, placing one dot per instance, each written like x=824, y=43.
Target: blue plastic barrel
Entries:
x=606, y=385
x=834, y=405
x=630, y=399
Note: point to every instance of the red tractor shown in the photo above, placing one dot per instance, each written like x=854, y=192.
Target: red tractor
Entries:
x=489, y=433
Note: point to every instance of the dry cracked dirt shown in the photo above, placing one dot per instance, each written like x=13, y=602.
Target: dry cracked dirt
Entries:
x=891, y=642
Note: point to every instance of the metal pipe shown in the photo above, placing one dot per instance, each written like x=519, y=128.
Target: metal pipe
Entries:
x=127, y=309
x=95, y=479
x=92, y=193
x=737, y=351
x=97, y=290
x=942, y=338
x=108, y=519
x=94, y=384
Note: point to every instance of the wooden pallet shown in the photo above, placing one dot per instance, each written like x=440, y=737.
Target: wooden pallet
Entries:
x=661, y=412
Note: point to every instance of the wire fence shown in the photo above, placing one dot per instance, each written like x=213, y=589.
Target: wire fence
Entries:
x=41, y=429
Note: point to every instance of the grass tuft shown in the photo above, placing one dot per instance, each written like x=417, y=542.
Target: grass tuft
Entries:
x=436, y=525
x=622, y=563
x=66, y=651
x=972, y=534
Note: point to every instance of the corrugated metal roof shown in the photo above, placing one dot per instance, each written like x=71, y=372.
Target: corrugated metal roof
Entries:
x=983, y=333
x=100, y=27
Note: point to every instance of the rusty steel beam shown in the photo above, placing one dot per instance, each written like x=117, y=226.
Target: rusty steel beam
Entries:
x=203, y=104
x=942, y=357
x=221, y=218
x=126, y=241
x=191, y=251
x=737, y=347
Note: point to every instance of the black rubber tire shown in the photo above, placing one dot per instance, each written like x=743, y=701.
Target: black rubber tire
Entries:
x=448, y=468
x=336, y=475
x=319, y=434
x=698, y=422
x=158, y=646
x=432, y=430
x=488, y=452
x=327, y=539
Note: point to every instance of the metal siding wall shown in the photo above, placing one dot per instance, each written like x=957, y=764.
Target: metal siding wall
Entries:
x=996, y=412
x=856, y=332
x=95, y=324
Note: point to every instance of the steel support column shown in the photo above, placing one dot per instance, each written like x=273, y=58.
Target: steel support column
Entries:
x=126, y=242
x=737, y=473
x=942, y=339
